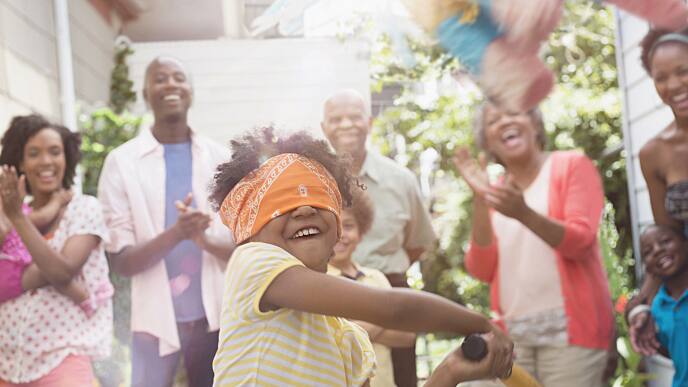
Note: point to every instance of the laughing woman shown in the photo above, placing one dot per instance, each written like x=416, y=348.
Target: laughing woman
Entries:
x=535, y=243
x=46, y=339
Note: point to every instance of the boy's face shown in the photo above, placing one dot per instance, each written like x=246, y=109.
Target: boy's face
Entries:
x=349, y=240
x=664, y=251
x=307, y=233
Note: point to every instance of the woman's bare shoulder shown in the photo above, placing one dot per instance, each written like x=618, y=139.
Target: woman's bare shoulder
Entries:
x=654, y=148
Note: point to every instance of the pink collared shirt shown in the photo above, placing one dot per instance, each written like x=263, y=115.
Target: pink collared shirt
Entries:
x=132, y=191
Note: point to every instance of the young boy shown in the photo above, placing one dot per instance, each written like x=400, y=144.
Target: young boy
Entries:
x=665, y=253
x=356, y=221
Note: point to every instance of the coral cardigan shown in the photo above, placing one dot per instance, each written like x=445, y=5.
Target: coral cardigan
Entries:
x=576, y=199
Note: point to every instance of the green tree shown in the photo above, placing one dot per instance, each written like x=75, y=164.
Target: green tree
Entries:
x=102, y=130
x=585, y=108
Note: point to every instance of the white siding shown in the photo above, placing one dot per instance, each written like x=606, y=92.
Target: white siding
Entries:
x=241, y=84
x=29, y=60
x=644, y=114
x=3, y=71
x=92, y=40
x=28, y=57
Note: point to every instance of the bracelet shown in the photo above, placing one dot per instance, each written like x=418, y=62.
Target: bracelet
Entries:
x=638, y=309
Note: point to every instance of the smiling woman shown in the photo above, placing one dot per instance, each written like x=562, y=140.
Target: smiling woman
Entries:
x=54, y=331
x=664, y=160
x=53, y=150
x=534, y=240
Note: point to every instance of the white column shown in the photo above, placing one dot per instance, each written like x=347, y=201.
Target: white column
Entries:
x=66, y=68
x=234, y=11
x=64, y=56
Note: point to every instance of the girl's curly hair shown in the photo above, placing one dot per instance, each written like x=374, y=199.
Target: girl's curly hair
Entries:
x=647, y=45
x=251, y=150
x=20, y=131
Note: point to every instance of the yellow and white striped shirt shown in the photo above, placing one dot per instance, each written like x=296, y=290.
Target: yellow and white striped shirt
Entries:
x=282, y=347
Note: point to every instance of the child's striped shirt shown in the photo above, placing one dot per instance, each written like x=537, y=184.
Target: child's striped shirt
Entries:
x=282, y=347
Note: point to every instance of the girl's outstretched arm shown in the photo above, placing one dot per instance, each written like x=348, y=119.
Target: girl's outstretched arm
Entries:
x=303, y=289
x=404, y=309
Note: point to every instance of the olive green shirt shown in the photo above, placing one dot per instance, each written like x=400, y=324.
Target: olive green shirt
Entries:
x=401, y=220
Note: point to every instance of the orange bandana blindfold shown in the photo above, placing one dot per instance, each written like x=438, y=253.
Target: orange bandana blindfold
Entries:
x=281, y=184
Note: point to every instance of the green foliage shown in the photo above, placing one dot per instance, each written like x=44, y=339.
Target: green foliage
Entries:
x=430, y=62
x=628, y=374
x=621, y=285
x=586, y=107
x=617, y=267
x=122, y=92
x=101, y=131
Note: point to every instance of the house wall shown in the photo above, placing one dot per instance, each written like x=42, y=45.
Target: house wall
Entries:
x=92, y=38
x=241, y=84
x=29, y=75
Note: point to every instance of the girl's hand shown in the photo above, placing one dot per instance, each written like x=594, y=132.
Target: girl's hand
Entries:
x=459, y=369
x=473, y=172
x=643, y=334
x=455, y=368
x=501, y=349
x=508, y=199
x=12, y=191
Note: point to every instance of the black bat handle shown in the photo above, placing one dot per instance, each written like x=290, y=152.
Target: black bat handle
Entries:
x=474, y=347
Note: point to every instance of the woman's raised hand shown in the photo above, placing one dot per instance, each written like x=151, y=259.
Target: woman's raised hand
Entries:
x=12, y=191
x=508, y=199
x=473, y=172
